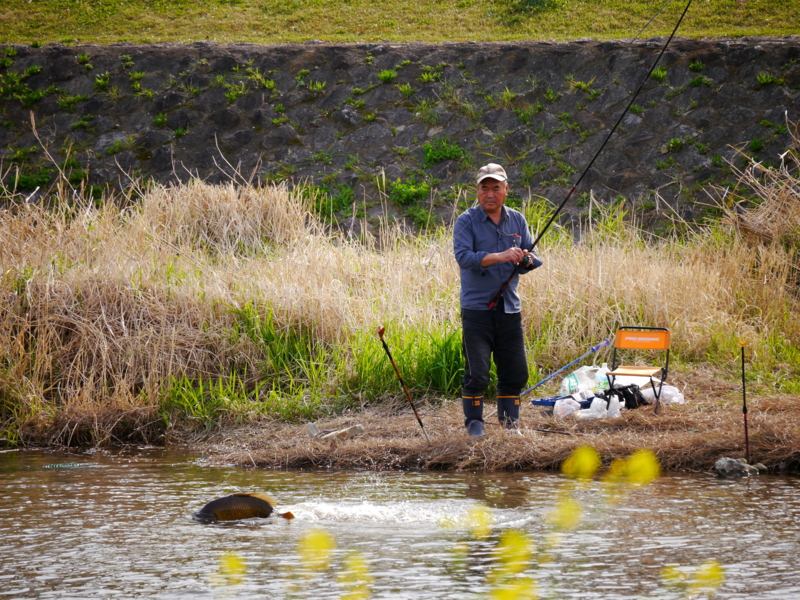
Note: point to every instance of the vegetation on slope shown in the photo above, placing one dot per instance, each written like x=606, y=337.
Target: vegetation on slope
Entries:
x=261, y=22
x=200, y=305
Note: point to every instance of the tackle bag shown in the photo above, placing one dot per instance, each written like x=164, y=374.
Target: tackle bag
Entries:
x=628, y=395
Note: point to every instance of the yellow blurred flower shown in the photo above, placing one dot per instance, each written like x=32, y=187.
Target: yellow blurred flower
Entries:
x=231, y=570
x=480, y=521
x=707, y=579
x=567, y=514
x=582, y=463
x=315, y=549
x=514, y=552
x=642, y=467
x=356, y=578
x=520, y=589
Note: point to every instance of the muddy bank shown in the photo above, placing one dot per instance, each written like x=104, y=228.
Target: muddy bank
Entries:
x=351, y=118
x=688, y=437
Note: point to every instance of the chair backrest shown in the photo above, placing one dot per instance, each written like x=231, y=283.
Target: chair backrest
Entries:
x=642, y=338
x=632, y=337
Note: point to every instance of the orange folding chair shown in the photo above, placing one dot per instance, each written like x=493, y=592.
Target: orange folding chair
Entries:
x=641, y=339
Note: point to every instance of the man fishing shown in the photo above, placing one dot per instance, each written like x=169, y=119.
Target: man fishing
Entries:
x=489, y=242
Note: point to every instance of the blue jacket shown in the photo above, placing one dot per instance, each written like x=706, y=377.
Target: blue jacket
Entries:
x=475, y=235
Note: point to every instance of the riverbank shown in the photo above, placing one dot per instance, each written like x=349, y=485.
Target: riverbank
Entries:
x=689, y=437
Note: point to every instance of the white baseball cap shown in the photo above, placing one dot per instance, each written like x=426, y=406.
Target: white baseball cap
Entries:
x=492, y=171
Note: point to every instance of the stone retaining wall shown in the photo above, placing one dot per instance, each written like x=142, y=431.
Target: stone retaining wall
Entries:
x=350, y=118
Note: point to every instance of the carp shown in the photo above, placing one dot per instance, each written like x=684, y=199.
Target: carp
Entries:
x=239, y=506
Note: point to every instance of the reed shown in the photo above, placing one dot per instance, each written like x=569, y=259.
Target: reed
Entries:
x=124, y=317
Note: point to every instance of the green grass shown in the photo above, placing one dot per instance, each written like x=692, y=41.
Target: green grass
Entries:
x=142, y=21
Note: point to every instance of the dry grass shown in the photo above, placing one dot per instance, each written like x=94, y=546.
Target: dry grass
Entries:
x=690, y=437
x=103, y=306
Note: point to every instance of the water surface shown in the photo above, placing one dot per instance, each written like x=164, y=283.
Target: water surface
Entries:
x=118, y=525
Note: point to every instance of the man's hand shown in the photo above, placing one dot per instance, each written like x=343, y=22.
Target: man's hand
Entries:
x=514, y=255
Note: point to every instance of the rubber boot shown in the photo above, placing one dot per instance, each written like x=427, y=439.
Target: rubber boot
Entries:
x=508, y=411
x=473, y=415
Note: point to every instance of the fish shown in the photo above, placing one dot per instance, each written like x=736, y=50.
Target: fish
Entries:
x=239, y=506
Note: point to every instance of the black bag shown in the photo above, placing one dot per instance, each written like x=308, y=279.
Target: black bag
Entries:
x=628, y=395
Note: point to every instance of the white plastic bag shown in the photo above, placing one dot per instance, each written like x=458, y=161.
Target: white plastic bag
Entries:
x=669, y=395
x=582, y=379
x=565, y=406
x=597, y=410
x=614, y=408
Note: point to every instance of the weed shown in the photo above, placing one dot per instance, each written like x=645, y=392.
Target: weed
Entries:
x=68, y=103
x=529, y=171
x=593, y=95
x=235, y=92
x=180, y=131
x=120, y=146
x=260, y=80
x=659, y=74
x=30, y=180
x=356, y=103
x=279, y=108
x=323, y=157
x=36, y=44
x=717, y=161
x=160, y=120
x=701, y=80
x=101, y=81
x=674, y=92
x=756, y=145
x=426, y=110
x=387, y=76
x=701, y=148
x=440, y=149
x=406, y=90
x=359, y=91
x=9, y=51
x=301, y=75
x=83, y=59
x=368, y=58
x=696, y=66
x=30, y=71
x=637, y=110
x=20, y=155
x=580, y=85
x=767, y=79
x=83, y=123
x=674, y=145
x=144, y=93
x=189, y=89
x=526, y=114
x=126, y=60
x=6, y=62
x=136, y=75
x=507, y=98
x=279, y=120
x=665, y=164
x=370, y=116
x=430, y=77
x=115, y=94
x=407, y=193
x=551, y=96
x=10, y=125
x=316, y=86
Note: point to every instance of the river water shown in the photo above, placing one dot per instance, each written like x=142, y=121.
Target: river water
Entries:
x=118, y=525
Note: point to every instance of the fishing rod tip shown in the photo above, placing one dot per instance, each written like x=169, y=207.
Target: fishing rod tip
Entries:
x=742, y=343
x=381, y=331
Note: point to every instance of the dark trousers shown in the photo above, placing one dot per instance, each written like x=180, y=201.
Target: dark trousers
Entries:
x=487, y=334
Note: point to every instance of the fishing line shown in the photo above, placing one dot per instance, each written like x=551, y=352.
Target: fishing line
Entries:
x=499, y=294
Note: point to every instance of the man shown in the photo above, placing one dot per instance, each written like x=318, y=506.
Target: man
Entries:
x=489, y=242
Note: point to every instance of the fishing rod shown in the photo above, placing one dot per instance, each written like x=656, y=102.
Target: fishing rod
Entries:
x=499, y=294
x=381, y=331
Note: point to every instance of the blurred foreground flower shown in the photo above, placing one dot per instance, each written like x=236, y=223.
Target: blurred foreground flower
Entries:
x=355, y=578
x=231, y=570
x=704, y=584
x=566, y=515
x=514, y=554
x=582, y=463
x=315, y=549
x=480, y=520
